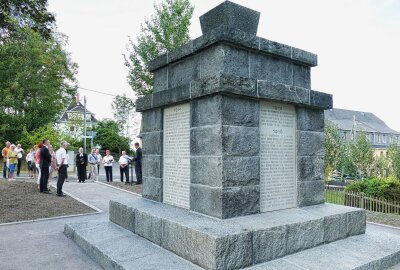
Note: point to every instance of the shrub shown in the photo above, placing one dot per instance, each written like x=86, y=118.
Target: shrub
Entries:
x=388, y=188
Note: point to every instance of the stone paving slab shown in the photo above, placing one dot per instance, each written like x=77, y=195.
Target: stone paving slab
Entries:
x=116, y=248
x=376, y=249
x=42, y=245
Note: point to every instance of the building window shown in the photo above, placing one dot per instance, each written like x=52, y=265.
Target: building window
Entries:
x=371, y=137
x=376, y=138
x=384, y=138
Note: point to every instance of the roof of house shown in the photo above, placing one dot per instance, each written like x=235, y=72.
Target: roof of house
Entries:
x=365, y=121
x=76, y=108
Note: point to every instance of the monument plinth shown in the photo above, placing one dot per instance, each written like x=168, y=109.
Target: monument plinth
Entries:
x=233, y=160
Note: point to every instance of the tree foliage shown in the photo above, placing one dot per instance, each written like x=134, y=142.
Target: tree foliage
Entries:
x=362, y=154
x=36, y=81
x=394, y=158
x=123, y=110
x=30, y=138
x=352, y=157
x=167, y=29
x=16, y=14
x=334, y=149
x=107, y=135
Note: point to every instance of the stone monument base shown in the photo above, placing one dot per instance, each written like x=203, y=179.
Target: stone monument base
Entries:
x=234, y=243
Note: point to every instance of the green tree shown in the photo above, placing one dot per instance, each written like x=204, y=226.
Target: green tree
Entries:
x=167, y=29
x=107, y=135
x=362, y=154
x=36, y=81
x=334, y=149
x=394, y=158
x=16, y=14
x=123, y=110
x=30, y=138
x=381, y=167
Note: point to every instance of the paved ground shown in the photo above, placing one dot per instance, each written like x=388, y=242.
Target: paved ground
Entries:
x=42, y=244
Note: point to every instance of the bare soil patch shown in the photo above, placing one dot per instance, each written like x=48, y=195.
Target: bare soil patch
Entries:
x=21, y=200
x=382, y=218
x=132, y=188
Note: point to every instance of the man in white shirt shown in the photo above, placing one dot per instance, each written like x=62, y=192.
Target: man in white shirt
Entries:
x=19, y=151
x=124, y=167
x=99, y=159
x=62, y=162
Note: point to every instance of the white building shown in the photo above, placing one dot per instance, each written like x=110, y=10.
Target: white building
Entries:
x=72, y=120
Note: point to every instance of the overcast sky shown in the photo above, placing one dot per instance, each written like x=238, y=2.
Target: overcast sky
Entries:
x=357, y=43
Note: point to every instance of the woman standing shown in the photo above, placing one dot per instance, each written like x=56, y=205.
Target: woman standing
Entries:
x=108, y=162
x=33, y=163
x=12, y=161
x=53, y=166
x=81, y=163
x=28, y=159
x=19, y=151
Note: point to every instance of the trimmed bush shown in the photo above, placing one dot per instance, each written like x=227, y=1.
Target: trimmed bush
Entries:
x=388, y=188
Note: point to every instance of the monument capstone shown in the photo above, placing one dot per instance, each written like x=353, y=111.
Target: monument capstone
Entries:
x=233, y=158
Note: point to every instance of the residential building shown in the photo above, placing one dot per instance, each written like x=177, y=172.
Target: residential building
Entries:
x=72, y=120
x=377, y=132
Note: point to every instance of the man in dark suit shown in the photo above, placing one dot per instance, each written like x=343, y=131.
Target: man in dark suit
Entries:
x=45, y=162
x=81, y=163
x=138, y=164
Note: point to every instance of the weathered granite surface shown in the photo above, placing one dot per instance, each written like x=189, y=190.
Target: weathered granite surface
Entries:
x=242, y=241
x=231, y=15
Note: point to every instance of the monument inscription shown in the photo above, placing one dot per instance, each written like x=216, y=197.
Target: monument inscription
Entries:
x=277, y=156
x=176, y=155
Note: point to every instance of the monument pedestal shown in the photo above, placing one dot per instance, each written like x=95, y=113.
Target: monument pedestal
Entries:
x=233, y=164
x=299, y=238
x=236, y=242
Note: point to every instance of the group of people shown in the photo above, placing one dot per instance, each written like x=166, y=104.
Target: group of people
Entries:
x=43, y=161
x=12, y=160
x=94, y=159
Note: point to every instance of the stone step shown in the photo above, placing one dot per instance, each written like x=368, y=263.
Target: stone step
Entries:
x=237, y=242
x=114, y=247
x=376, y=249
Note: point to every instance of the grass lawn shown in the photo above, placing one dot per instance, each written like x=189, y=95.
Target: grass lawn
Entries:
x=333, y=196
x=337, y=197
x=132, y=188
x=21, y=200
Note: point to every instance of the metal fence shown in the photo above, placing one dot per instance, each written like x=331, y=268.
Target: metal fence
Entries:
x=340, y=196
